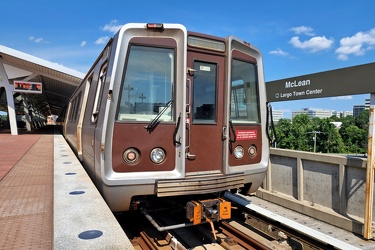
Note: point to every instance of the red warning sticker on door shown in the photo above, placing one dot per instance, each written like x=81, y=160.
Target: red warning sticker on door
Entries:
x=246, y=134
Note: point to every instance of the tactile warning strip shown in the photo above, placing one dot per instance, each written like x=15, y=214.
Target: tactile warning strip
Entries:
x=26, y=199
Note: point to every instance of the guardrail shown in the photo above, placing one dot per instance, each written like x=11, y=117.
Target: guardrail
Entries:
x=327, y=187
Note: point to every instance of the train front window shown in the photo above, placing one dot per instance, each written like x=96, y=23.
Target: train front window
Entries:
x=148, y=85
x=244, y=106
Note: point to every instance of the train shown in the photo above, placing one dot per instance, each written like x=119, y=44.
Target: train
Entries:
x=51, y=120
x=166, y=112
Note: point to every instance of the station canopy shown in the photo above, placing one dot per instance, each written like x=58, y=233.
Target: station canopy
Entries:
x=58, y=82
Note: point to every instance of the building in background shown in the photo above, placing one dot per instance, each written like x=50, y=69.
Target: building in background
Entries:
x=357, y=109
x=277, y=115
x=320, y=113
x=346, y=113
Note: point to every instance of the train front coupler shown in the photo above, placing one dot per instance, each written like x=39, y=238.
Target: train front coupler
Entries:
x=208, y=210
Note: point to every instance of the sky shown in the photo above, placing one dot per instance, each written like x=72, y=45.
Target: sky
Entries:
x=295, y=37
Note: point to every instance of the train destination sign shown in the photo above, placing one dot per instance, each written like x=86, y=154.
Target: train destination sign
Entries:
x=346, y=81
x=28, y=87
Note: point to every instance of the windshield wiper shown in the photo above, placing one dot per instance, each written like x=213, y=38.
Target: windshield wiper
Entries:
x=233, y=132
x=155, y=121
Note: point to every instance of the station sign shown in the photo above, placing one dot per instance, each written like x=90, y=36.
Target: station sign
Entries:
x=346, y=81
x=28, y=87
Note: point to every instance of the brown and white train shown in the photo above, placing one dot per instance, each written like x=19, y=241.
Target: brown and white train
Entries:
x=167, y=112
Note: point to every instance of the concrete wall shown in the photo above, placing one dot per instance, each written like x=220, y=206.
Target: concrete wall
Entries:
x=328, y=187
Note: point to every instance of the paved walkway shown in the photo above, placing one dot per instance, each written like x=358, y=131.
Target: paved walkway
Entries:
x=26, y=191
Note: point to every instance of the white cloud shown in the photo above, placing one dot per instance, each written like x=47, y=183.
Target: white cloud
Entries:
x=112, y=26
x=37, y=40
x=346, y=97
x=102, y=40
x=356, y=45
x=303, y=30
x=83, y=43
x=279, y=52
x=315, y=44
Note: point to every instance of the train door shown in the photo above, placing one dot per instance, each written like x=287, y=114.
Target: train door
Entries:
x=205, y=95
x=89, y=134
x=81, y=117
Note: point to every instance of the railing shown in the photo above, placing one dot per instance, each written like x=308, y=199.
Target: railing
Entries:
x=328, y=187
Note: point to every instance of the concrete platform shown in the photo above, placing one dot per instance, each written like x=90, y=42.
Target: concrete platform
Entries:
x=47, y=201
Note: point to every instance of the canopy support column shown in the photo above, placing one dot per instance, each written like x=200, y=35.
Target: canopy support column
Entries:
x=4, y=82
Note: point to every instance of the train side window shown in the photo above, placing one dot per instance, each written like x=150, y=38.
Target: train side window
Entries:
x=244, y=105
x=74, y=108
x=85, y=96
x=70, y=110
x=99, y=93
x=148, y=85
x=77, y=109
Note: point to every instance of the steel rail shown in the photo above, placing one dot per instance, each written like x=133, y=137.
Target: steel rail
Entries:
x=241, y=238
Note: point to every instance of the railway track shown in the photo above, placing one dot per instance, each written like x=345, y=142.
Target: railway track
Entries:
x=249, y=228
x=229, y=236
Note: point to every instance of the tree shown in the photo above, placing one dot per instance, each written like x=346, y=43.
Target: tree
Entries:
x=354, y=132
x=301, y=124
x=334, y=118
x=347, y=120
x=353, y=139
x=298, y=134
x=330, y=139
x=361, y=121
x=282, y=132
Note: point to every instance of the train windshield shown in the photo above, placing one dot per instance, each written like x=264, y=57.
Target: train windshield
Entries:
x=148, y=85
x=244, y=106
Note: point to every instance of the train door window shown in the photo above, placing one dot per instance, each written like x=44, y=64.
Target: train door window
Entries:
x=147, y=88
x=244, y=106
x=204, y=92
x=99, y=93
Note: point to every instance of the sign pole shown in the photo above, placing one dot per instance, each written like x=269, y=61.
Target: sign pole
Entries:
x=367, y=234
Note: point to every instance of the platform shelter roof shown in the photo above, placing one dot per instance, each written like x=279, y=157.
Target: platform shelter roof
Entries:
x=58, y=82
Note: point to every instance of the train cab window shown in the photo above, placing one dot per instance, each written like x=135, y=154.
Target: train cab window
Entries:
x=204, y=92
x=148, y=85
x=99, y=93
x=244, y=106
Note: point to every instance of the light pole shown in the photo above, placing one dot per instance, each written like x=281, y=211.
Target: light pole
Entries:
x=314, y=138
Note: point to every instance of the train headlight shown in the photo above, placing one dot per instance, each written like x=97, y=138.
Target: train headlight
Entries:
x=131, y=155
x=252, y=151
x=238, y=152
x=157, y=155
